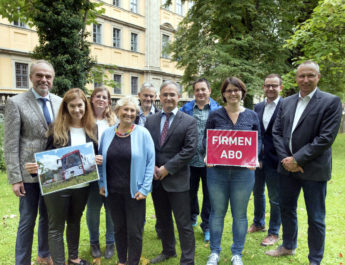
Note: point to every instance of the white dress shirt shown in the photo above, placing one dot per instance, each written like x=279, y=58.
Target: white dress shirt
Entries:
x=268, y=111
x=301, y=105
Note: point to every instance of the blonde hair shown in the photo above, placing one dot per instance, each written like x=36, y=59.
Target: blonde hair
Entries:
x=125, y=101
x=63, y=120
x=108, y=113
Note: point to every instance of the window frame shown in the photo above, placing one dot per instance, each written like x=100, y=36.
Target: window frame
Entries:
x=21, y=75
x=118, y=41
x=134, y=45
x=120, y=84
x=137, y=85
x=97, y=33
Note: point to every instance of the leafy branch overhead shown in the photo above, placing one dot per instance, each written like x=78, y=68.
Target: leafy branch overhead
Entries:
x=61, y=28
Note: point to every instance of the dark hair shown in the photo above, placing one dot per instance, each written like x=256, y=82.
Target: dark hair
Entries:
x=235, y=82
x=275, y=76
x=200, y=80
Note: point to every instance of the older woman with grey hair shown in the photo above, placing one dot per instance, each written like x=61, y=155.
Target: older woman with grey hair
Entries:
x=126, y=178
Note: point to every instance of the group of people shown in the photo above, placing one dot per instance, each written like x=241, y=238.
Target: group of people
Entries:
x=145, y=149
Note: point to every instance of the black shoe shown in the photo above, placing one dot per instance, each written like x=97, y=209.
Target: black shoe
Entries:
x=82, y=262
x=109, y=251
x=161, y=257
x=95, y=251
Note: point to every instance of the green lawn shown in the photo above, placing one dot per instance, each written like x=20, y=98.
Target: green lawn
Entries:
x=253, y=252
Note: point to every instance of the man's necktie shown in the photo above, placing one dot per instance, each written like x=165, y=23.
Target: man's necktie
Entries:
x=165, y=128
x=46, y=111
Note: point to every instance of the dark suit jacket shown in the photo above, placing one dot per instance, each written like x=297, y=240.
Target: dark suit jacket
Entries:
x=313, y=136
x=268, y=154
x=177, y=150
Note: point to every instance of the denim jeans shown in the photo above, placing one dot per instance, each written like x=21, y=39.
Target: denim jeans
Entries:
x=28, y=206
x=197, y=173
x=314, y=197
x=236, y=185
x=269, y=176
x=94, y=205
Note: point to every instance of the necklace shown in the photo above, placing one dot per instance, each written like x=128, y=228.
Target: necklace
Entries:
x=125, y=133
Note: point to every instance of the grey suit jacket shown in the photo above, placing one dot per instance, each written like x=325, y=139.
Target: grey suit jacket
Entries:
x=177, y=150
x=313, y=136
x=25, y=134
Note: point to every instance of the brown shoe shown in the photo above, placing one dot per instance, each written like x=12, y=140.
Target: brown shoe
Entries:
x=44, y=261
x=280, y=251
x=269, y=240
x=253, y=228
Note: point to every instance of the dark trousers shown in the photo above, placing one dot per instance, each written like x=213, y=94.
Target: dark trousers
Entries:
x=197, y=173
x=178, y=203
x=65, y=206
x=128, y=216
x=314, y=196
x=29, y=205
x=267, y=175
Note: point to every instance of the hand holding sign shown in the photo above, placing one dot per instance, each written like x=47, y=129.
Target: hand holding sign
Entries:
x=232, y=148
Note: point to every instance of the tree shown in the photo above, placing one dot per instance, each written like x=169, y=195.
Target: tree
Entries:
x=322, y=38
x=236, y=38
x=62, y=35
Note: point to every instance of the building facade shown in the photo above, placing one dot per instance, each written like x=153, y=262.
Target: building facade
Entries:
x=130, y=36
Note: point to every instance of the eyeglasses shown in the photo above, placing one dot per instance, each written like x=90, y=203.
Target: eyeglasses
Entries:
x=229, y=91
x=271, y=85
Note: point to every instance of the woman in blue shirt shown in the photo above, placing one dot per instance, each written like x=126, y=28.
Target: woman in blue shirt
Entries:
x=229, y=183
x=126, y=178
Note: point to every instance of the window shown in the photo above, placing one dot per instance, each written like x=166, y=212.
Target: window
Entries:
x=190, y=4
x=19, y=23
x=134, y=85
x=97, y=33
x=179, y=7
x=116, y=38
x=165, y=42
x=164, y=5
x=116, y=2
x=134, y=42
x=22, y=79
x=117, y=86
x=134, y=6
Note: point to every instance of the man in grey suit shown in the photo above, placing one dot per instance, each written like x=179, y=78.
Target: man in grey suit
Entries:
x=304, y=131
x=27, y=117
x=175, y=137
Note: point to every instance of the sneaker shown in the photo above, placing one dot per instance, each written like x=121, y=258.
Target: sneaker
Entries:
x=207, y=236
x=194, y=223
x=236, y=260
x=213, y=259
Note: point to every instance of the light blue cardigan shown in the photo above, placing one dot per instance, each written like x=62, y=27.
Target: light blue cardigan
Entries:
x=142, y=160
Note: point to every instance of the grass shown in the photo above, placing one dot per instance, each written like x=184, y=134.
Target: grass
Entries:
x=253, y=253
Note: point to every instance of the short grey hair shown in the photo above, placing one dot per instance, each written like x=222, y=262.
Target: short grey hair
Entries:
x=41, y=62
x=148, y=85
x=125, y=101
x=170, y=82
x=316, y=66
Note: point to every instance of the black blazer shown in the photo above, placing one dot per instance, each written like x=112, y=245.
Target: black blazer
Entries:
x=177, y=150
x=268, y=154
x=313, y=136
x=50, y=142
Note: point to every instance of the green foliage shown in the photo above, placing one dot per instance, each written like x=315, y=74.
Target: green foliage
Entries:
x=322, y=38
x=60, y=26
x=236, y=38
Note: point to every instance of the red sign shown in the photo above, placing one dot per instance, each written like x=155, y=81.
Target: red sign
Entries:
x=232, y=148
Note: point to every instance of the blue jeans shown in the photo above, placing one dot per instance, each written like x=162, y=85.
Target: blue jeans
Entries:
x=314, y=197
x=28, y=207
x=197, y=173
x=236, y=185
x=94, y=205
x=271, y=177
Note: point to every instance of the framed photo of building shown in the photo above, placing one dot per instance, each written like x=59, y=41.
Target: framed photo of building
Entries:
x=66, y=167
